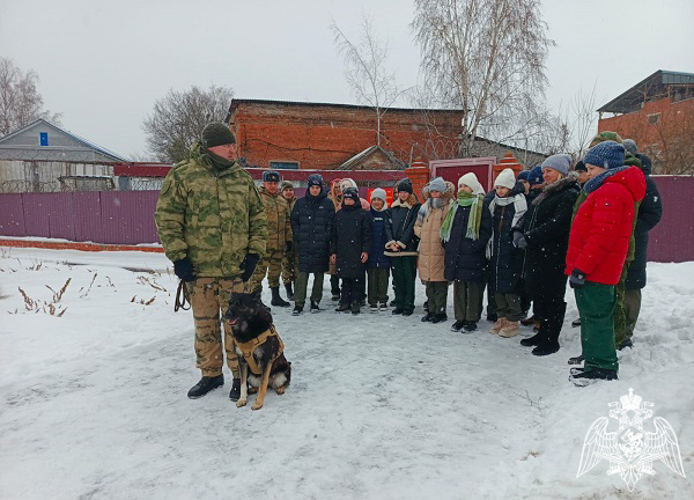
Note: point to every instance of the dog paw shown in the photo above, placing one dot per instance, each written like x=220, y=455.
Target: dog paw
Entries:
x=280, y=390
x=257, y=406
x=240, y=403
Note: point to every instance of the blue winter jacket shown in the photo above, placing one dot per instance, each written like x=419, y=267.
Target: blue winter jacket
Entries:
x=378, y=242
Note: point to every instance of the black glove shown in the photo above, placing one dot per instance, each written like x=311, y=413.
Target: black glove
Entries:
x=290, y=246
x=249, y=263
x=184, y=269
x=577, y=279
x=519, y=240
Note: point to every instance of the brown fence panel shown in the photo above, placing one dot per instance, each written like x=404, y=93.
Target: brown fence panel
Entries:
x=127, y=217
x=88, y=220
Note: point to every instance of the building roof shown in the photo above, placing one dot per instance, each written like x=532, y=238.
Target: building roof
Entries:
x=236, y=102
x=359, y=157
x=12, y=142
x=647, y=89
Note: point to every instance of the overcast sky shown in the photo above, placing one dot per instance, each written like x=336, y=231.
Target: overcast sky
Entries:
x=103, y=63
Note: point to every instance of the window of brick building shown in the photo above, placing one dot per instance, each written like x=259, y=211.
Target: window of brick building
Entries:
x=653, y=119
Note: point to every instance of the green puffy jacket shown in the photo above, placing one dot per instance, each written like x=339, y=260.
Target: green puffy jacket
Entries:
x=212, y=215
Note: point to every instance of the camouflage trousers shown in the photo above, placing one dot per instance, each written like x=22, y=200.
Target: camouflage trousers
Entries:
x=290, y=267
x=207, y=297
x=271, y=265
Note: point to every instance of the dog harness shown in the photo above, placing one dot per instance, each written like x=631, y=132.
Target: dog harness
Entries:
x=247, y=348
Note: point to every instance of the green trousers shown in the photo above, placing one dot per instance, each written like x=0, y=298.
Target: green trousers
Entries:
x=302, y=284
x=404, y=272
x=596, y=304
x=632, y=303
x=378, y=285
x=437, y=296
x=467, y=300
x=508, y=305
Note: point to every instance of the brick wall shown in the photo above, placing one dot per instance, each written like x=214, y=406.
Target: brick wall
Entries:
x=318, y=136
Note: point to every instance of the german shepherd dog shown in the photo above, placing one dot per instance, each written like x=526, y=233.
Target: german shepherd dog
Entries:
x=249, y=319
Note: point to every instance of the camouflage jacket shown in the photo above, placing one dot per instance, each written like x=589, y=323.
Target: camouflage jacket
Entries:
x=212, y=216
x=279, y=227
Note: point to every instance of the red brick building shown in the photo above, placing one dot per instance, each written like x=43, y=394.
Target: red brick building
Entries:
x=657, y=113
x=282, y=134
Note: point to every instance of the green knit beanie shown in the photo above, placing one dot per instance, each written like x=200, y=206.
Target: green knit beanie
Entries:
x=217, y=134
x=606, y=136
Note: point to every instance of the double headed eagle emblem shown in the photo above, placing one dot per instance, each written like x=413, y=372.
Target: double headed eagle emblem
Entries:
x=630, y=450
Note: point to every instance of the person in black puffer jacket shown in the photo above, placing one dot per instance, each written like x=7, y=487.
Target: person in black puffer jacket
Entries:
x=378, y=264
x=544, y=235
x=507, y=208
x=649, y=215
x=312, y=223
x=349, y=247
x=465, y=232
x=402, y=246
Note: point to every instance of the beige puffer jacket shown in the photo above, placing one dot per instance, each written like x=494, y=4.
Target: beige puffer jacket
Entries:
x=428, y=228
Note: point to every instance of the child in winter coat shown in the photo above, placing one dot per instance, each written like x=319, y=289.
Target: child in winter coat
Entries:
x=598, y=245
x=465, y=231
x=431, y=253
x=350, y=247
x=378, y=264
x=402, y=247
x=506, y=209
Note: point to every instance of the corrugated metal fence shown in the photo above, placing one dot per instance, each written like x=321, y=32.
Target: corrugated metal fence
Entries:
x=127, y=217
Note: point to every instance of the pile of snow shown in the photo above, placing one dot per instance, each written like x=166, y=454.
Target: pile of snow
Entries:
x=94, y=406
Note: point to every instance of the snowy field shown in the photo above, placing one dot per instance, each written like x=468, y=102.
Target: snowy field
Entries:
x=93, y=403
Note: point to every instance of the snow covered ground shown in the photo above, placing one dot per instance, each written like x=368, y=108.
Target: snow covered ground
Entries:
x=93, y=403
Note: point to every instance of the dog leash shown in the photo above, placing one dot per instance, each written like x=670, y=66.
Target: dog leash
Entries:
x=181, y=297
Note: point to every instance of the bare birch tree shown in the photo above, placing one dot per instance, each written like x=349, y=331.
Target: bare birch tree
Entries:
x=20, y=101
x=486, y=57
x=366, y=70
x=179, y=117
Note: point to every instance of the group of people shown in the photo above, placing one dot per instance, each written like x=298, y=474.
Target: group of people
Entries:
x=521, y=241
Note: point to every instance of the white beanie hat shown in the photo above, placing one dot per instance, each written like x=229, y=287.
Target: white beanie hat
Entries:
x=506, y=179
x=470, y=180
x=347, y=183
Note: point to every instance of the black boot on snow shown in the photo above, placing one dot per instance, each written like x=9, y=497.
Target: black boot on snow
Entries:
x=582, y=378
x=342, y=307
x=356, y=307
x=438, y=318
x=290, y=292
x=531, y=341
x=427, y=317
x=297, y=311
x=546, y=348
x=205, y=385
x=457, y=326
x=276, y=299
x=315, y=308
x=235, y=392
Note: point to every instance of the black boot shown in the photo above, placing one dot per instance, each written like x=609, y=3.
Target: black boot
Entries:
x=297, y=311
x=315, y=308
x=549, y=331
x=438, y=318
x=276, y=299
x=290, y=292
x=581, y=376
x=457, y=326
x=235, y=392
x=531, y=341
x=356, y=307
x=205, y=385
x=427, y=318
x=342, y=307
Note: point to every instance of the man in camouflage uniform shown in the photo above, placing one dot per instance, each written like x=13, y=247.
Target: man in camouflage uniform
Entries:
x=279, y=237
x=290, y=264
x=211, y=222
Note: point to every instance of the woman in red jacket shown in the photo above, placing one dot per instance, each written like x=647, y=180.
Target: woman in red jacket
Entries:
x=598, y=245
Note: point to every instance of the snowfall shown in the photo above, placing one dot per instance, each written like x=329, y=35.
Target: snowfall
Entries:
x=94, y=375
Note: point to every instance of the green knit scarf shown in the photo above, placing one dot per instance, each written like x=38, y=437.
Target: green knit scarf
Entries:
x=475, y=202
